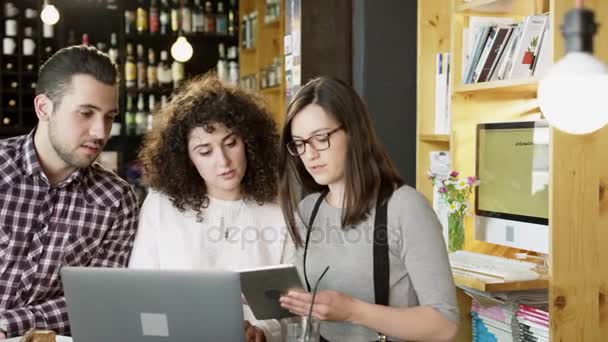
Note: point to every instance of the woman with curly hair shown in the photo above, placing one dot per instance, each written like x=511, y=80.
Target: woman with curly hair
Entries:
x=210, y=161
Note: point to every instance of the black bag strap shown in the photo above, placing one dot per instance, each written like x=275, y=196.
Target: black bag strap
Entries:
x=313, y=215
x=381, y=263
x=380, y=248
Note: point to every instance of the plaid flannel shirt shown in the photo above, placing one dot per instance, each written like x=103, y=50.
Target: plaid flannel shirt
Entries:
x=89, y=219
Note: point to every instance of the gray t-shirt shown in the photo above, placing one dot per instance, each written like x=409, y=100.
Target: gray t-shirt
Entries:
x=419, y=268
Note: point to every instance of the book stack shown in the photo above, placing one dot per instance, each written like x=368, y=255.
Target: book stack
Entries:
x=442, y=94
x=494, y=323
x=519, y=316
x=532, y=324
x=500, y=49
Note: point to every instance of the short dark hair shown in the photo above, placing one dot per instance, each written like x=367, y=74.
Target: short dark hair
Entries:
x=367, y=163
x=55, y=75
x=203, y=102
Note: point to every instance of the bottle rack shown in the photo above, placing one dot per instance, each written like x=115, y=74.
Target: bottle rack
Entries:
x=19, y=67
x=98, y=19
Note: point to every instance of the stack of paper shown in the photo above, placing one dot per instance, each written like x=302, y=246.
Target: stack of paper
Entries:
x=519, y=316
x=532, y=324
x=493, y=323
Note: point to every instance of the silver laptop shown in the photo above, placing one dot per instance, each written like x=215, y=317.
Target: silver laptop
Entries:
x=118, y=304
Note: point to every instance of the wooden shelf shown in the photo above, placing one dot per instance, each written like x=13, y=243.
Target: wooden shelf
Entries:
x=575, y=175
x=487, y=6
x=444, y=138
x=479, y=284
x=159, y=90
x=173, y=35
x=271, y=90
x=267, y=45
x=518, y=85
x=273, y=23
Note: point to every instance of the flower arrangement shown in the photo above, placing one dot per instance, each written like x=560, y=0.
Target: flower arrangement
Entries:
x=455, y=193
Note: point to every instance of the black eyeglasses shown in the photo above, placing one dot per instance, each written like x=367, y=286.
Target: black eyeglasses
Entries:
x=319, y=142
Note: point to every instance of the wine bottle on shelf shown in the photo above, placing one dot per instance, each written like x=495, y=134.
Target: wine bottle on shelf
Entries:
x=113, y=51
x=198, y=16
x=10, y=10
x=140, y=115
x=101, y=46
x=130, y=68
x=233, y=65
x=130, y=117
x=233, y=72
x=141, y=20
x=152, y=71
x=154, y=17
x=222, y=63
x=221, y=19
x=177, y=73
x=48, y=52
x=163, y=70
x=29, y=65
x=151, y=109
x=111, y=4
x=209, y=17
x=151, y=103
x=176, y=22
x=165, y=17
x=232, y=27
x=186, y=16
x=129, y=22
x=6, y=120
x=85, y=39
x=72, y=37
x=48, y=31
x=142, y=69
x=29, y=44
x=9, y=66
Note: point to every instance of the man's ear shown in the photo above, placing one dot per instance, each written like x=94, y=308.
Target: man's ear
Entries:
x=43, y=106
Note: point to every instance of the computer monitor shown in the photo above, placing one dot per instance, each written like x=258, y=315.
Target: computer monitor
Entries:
x=511, y=201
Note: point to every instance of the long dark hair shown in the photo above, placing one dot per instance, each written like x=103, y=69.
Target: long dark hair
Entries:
x=367, y=162
x=203, y=102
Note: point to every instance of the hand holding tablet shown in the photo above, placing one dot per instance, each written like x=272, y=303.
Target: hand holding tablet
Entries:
x=263, y=286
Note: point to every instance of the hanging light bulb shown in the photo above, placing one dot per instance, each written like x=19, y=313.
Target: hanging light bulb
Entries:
x=572, y=95
x=49, y=14
x=181, y=50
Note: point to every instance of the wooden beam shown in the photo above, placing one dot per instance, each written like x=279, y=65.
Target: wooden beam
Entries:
x=575, y=239
x=578, y=292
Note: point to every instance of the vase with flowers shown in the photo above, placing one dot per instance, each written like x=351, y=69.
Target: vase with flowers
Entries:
x=455, y=193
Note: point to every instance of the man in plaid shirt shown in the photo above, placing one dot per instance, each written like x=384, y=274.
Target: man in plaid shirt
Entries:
x=57, y=207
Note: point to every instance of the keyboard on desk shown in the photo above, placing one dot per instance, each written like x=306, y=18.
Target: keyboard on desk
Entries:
x=491, y=268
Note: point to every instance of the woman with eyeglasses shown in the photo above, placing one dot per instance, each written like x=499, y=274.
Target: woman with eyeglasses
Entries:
x=211, y=162
x=389, y=274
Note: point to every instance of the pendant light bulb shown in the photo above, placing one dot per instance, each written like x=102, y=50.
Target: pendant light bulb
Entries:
x=181, y=50
x=49, y=14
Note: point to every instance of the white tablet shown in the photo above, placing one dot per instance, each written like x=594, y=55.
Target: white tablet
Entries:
x=263, y=286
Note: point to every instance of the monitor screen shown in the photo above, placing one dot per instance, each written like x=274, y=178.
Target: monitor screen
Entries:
x=513, y=171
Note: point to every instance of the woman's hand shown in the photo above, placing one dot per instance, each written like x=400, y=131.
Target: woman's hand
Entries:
x=253, y=333
x=329, y=305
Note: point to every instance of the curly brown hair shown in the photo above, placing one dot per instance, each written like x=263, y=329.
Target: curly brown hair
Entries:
x=203, y=102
